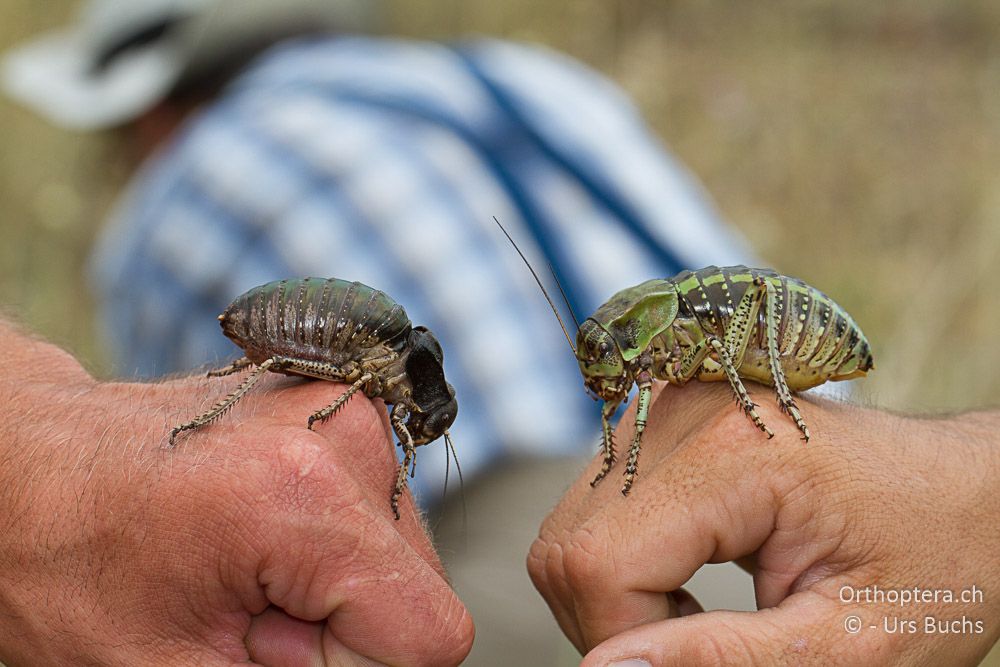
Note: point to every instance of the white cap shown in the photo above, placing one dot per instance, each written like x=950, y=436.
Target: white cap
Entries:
x=123, y=56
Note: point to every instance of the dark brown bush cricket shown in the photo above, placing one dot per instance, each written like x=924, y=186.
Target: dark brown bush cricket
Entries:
x=341, y=331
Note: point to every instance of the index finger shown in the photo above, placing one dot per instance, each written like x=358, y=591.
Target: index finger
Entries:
x=547, y=559
x=360, y=435
x=702, y=499
x=329, y=550
x=314, y=510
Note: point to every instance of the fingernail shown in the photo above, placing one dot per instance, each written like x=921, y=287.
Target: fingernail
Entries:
x=630, y=662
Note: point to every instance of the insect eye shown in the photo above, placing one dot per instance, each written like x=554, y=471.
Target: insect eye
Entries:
x=603, y=349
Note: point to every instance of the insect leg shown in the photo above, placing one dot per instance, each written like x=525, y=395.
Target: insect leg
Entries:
x=641, y=414
x=398, y=420
x=607, y=439
x=742, y=396
x=691, y=361
x=785, y=399
x=229, y=401
x=325, y=413
x=234, y=367
x=317, y=369
x=741, y=325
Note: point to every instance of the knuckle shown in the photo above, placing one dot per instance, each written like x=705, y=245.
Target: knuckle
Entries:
x=538, y=555
x=585, y=560
x=555, y=572
x=731, y=420
x=305, y=477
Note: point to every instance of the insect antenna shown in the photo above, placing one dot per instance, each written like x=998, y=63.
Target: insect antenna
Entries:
x=565, y=299
x=461, y=482
x=450, y=454
x=542, y=287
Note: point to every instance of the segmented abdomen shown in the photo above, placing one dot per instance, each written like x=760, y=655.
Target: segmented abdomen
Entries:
x=315, y=319
x=817, y=339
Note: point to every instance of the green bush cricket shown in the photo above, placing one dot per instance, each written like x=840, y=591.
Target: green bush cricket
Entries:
x=730, y=323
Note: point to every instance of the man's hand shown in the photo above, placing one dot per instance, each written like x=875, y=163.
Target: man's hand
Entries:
x=872, y=500
x=254, y=541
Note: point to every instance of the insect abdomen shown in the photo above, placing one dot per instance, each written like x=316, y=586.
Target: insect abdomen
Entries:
x=314, y=319
x=817, y=339
x=710, y=295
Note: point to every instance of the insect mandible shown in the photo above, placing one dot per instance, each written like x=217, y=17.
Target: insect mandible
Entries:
x=730, y=323
x=341, y=331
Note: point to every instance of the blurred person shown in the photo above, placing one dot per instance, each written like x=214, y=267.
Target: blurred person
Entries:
x=377, y=160
x=279, y=141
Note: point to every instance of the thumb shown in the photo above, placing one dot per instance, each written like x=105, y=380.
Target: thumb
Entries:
x=806, y=628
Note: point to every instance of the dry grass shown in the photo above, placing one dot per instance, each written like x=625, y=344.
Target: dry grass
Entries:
x=858, y=147
x=856, y=144
x=55, y=188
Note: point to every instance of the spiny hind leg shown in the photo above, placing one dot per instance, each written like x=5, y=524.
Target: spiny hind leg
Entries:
x=742, y=395
x=785, y=399
x=740, y=328
x=328, y=411
x=607, y=439
x=398, y=420
x=641, y=414
x=692, y=361
x=229, y=401
x=234, y=367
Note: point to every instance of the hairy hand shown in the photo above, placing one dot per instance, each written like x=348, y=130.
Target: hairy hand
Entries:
x=873, y=500
x=255, y=541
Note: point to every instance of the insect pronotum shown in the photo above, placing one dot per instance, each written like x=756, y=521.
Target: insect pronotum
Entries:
x=347, y=332
x=730, y=323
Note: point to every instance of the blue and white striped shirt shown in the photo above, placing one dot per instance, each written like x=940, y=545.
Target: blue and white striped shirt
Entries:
x=384, y=161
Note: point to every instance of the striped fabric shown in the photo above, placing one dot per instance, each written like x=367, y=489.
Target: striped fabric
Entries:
x=384, y=161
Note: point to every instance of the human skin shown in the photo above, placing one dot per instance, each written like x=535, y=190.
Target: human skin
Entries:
x=873, y=499
x=254, y=541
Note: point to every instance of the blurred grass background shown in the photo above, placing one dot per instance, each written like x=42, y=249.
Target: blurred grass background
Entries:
x=856, y=145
